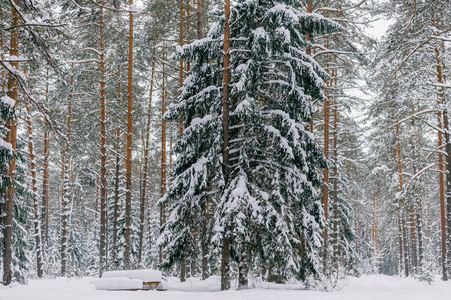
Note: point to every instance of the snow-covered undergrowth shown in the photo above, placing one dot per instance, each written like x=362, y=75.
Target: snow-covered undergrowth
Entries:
x=377, y=287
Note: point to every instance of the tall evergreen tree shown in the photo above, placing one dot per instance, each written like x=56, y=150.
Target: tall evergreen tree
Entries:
x=265, y=197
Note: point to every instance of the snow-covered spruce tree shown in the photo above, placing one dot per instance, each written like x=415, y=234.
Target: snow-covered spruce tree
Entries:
x=267, y=206
x=21, y=244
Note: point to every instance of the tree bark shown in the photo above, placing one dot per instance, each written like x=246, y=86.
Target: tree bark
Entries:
x=103, y=158
x=128, y=157
x=117, y=174
x=65, y=199
x=403, y=250
x=199, y=20
x=146, y=154
x=325, y=191
x=336, y=217
x=12, y=139
x=163, y=148
x=45, y=175
x=442, y=167
x=37, y=231
x=183, y=263
x=225, y=259
x=308, y=50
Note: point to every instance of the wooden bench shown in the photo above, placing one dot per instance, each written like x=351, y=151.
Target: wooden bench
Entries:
x=152, y=285
x=151, y=279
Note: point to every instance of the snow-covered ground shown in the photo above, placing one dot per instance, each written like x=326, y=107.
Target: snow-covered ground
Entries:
x=364, y=288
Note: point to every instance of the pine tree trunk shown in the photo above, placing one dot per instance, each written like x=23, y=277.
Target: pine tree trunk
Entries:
x=183, y=263
x=401, y=206
x=442, y=166
x=65, y=199
x=308, y=50
x=37, y=231
x=414, y=238
x=146, y=155
x=199, y=20
x=442, y=169
x=419, y=210
x=103, y=158
x=225, y=259
x=325, y=191
x=446, y=217
x=117, y=174
x=12, y=139
x=359, y=231
x=163, y=148
x=45, y=176
x=128, y=157
x=141, y=203
x=336, y=217
x=406, y=249
x=420, y=233
x=205, y=213
x=401, y=248
x=243, y=270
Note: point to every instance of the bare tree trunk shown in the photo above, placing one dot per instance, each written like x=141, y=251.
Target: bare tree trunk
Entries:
x=12, y=139
x=336, y=217
x=45, y=175
x=37, y=227
x=419, y=210
x=359, y=230
x=308, y=50
x=225, y=260
x=183, y=263
x=117, y=174
x=128, y=157
x=442, y=170
x=146, y=155
x=442, y=166
x=414, y=238
x=163, y=149
x=325, y=191
x=199, y=20
x=65, y=199
x=446, y=217
x=103, y=158
x=243, y=269
x=420, y=233
x=401, y=248
x=402, y=222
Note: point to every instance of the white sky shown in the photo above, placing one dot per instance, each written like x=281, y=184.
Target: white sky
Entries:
x=378, y=28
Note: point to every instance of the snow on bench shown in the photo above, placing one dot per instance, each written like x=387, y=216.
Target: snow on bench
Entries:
x=151, y=279
x=118, y=283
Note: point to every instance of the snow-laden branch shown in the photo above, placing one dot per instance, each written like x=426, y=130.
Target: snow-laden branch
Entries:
x=415, y=177
x=36, y=25
x=422, y=112
x=21, y=80
x=441, y=85
x=418, y=48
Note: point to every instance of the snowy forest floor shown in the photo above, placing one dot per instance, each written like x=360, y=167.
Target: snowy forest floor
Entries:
x=366, y=287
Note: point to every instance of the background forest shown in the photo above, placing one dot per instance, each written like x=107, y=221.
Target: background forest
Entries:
x=256, y=138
